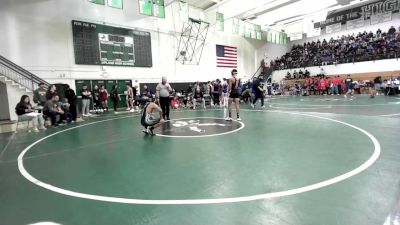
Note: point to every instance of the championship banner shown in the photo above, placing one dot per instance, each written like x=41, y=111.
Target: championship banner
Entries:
x=363, y=11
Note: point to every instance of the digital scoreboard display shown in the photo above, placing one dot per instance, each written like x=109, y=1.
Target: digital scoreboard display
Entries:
x=97, y=44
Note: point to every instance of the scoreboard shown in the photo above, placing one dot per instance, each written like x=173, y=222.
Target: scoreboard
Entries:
x=97, y=44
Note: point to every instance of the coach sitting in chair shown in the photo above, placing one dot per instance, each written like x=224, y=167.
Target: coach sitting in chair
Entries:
x=52, y=109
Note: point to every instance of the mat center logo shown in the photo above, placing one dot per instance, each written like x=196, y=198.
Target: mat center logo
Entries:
x=198, y=127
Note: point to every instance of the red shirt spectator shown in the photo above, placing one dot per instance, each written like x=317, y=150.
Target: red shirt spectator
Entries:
x=308, y=81
x=316, y=84
x=322, y=84
x=175, y=103
x=339, y=81
x=329, y=82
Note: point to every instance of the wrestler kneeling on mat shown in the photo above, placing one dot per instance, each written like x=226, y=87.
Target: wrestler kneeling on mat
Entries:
x=149, y=122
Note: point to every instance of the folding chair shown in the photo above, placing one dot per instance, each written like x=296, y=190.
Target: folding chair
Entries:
x=21, y=120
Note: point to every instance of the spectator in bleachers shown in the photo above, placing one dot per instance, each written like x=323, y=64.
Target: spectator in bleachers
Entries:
x=52, y=110
x=347, y=48
x=392, y=30
x=301, y=74
x=306, y=73
x=295, y=75
x=39, y=95
x=288, y=75
x=322, y=72
x=25, y=111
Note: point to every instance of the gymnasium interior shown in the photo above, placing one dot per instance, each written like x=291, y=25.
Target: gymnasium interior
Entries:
x=199, y=112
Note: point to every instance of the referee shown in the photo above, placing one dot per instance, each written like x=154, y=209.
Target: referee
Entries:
x=163, y=89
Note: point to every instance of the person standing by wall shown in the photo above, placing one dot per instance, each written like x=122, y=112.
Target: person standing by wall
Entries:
x=39, y=95
x=115, y=97
x=51, y=92
x=96, y=99
x=322, y=84
x=71, y=97
x=210, y=90
x=86, y=96
x=339, y=82
x=349, y=86
x=135, y=98
x=162, y=92
x=129, y=98
x=216, y=92
x=224, y=92
x=103, y=98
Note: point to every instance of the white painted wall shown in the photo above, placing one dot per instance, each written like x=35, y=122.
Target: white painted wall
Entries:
x=12, y=96
x=270, y=51
x=4, y=112
x=37, y=35
x=347, y=68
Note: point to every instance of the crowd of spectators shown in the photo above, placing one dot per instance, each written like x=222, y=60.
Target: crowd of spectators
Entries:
x=214, y=93
x=338, y=85
x=48, y=106
x=364, y=46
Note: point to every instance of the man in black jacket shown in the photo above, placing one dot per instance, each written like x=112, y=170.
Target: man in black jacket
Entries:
x=71, y=97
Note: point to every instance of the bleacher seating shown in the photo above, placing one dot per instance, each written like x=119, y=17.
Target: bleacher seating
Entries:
x=356, y=77
x=359, y=47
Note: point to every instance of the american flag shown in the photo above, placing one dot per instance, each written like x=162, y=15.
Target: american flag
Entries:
x=226, y=56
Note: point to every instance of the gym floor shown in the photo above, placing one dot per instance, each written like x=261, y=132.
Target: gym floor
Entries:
x=302, y=161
